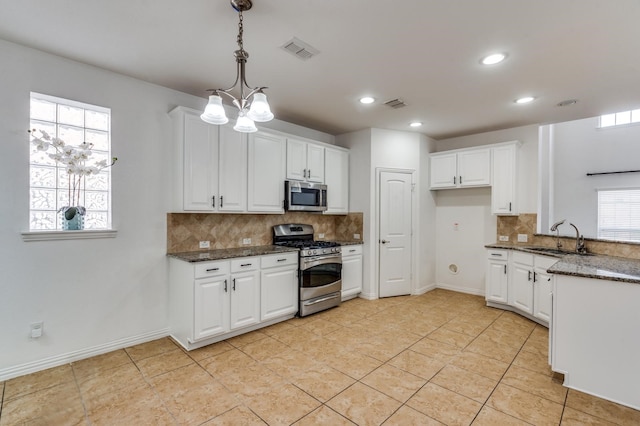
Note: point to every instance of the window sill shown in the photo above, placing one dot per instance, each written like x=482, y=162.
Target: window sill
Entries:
x=28, y=236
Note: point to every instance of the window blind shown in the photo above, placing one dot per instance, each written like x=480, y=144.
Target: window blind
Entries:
x=619, y=214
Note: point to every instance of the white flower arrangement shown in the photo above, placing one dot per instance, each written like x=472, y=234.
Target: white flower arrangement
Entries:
x=75, y=161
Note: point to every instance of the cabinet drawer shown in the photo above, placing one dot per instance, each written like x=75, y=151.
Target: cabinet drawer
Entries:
x=351, y=250
x=282, y=259
x=245, y=264
x=498, y=254
x=523, y=258
x=211, y=269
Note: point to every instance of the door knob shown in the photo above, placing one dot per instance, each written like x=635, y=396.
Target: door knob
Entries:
x=384, y=241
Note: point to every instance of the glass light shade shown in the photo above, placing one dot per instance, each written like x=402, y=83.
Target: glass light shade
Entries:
x=260, y=110
x=245, y=124
x=214, y=111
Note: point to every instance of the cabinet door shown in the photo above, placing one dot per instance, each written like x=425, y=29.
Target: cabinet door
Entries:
x=336, y=178
x=245, y=299
x=496, y=282
x=232, y=171
x=200, y=180
x=351, y=275
x=315, y=163
x=503, y=188
x=296, y=159
x=521, y=289
x=542, y=295
x=474, y=168
x=211, y=307
x=279, y=292
x=443, y=171
x=267, y=155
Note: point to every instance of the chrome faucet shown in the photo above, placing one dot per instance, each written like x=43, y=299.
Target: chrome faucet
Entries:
x=554, y=227
x=580, y=247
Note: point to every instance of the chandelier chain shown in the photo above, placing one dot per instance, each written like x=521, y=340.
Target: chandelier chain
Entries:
x=240, y=32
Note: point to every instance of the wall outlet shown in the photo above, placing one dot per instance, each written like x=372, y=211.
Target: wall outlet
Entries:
x=205, y=244
x=503, y=238
x=37, y=329
x=246, y=241
x=522, y=238
x=321, y=236
x=356, y=236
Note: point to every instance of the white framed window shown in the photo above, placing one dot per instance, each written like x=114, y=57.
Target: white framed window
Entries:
x=619, y=214
x=620, y=118
x=49, y=189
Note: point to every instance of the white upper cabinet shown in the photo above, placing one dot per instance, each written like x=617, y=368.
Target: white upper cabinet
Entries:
x=232, y=170
x=336, y=178
x=305, y=161
x=460, y=169
x=267, y=154
x=503, y=179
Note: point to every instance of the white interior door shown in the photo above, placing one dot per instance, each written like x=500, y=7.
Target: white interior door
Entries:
x=395, y=234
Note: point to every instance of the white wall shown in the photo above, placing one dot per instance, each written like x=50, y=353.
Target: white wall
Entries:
x=471, y=209
x=93, y=295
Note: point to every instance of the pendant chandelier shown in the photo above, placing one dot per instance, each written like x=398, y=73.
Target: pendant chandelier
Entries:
x=253, y=105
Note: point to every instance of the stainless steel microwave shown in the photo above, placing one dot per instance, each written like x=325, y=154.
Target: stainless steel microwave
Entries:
x=305, y=196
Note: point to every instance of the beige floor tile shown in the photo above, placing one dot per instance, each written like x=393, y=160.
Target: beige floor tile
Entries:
x=243, y=339
x=364, y=405
x=54, y=405
x=572, y=417
x=602, y=409
x=283, y=405
x=536, y=346
x=180, y=379
x=535, y=383
x=24, y=385
x=111, y=380
x=209, y=351
x=465, y=383
x=240, y=415
x=525, y=406
x=490, y=417
x=444, y=405
x=480, y=364
x=250, y=381
x=149, y=349
x=101, y=363
x=407, y=416
x=321, y=327
x=221, y=364
x=444, y=335
x=324, y=416
x=290, y=363
x=484, y=346
x=163, y=363
x=507, y=339
x=417, y=364
x=199, y=404
x=419, y=326
x=394, y=382
x=354, y=364
x=280, y=327
x=323, y=382
x=264, y=348
x=469, y=328
x=538, y=363
x=435, y=349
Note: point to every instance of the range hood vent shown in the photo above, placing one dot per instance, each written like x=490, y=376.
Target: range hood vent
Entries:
x=395, y=103
x=300, y=49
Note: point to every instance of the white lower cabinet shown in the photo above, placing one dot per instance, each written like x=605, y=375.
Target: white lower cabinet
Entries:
x=279, y=292
x=520, y=283
x=351, y=271
x=211, y=301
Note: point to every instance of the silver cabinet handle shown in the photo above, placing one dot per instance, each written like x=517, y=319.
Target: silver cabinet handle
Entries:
x=352, y=250
x=384, y=241
x=213, y=201
x=213, y=269
x=496, y=254
x=460, y=180
x=505, y=269
x=529, y=278
x=234, y=284
x=221, y=201
x=454, y=180
x=225, y=286
x=244, y=265
x=281, y=260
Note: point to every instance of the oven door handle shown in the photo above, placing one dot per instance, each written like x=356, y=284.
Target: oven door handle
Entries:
x=310, y=262
x=324, y=299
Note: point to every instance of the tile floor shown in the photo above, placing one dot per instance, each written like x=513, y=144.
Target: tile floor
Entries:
x=439, y=358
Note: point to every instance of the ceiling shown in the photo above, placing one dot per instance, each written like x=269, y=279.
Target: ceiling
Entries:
x=425, y=52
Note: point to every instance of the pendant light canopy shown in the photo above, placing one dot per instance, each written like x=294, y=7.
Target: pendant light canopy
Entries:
x=252, y=106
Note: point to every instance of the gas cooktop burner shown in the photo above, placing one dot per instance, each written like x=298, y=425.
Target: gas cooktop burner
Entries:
x=301, y=237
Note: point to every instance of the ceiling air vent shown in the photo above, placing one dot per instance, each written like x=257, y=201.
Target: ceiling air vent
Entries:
x=395, y=103
x=300, y=49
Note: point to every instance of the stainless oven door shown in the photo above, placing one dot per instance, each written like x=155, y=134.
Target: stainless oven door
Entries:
x=320, y=275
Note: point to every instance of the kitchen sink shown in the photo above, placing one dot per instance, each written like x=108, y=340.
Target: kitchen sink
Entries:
x=554, y=251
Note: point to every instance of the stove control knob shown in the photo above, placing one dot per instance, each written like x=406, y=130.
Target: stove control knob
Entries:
x=312, y=252
x=335, y=250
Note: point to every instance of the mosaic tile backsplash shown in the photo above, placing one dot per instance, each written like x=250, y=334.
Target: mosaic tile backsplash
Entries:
x=186, y=230
x=526, y=224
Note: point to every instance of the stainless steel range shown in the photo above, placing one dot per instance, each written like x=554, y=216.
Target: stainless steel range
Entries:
x=320, y=276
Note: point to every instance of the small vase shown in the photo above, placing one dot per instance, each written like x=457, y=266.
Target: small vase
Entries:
x=72, y=218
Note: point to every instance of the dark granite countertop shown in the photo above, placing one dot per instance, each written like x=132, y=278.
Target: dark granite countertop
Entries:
x=221, y=254
x=350, y=243
x=587, y=266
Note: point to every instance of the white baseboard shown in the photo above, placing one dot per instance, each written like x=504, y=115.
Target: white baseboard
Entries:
x=55, y=361
x=368, y=296
x=423, y=290
x=467, y=290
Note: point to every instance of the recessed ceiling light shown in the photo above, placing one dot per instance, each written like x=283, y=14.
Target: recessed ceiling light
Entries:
x=525, y=100
x=415, y=124
x=493, y=59
x=367, y=100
